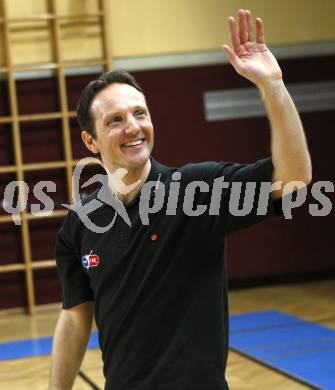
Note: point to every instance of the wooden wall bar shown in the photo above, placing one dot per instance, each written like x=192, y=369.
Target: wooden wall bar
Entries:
x=31, y=156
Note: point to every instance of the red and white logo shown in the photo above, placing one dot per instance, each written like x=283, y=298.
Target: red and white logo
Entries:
x=91, y=260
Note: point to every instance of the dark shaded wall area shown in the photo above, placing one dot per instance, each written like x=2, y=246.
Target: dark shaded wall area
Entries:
x=273, y=249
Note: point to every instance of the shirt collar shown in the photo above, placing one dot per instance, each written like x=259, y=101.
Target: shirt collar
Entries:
x=158, y=173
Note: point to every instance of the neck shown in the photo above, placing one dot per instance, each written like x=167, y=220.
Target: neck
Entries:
x=127, y=183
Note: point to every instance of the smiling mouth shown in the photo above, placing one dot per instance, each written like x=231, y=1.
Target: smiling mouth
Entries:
x=131, y=144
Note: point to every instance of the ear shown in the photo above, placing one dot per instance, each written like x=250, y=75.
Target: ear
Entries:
x=90, y=142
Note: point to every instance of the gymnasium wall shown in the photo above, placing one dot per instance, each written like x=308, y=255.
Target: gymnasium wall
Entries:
x=141, y=28
x=155, y=27
x=272, y=249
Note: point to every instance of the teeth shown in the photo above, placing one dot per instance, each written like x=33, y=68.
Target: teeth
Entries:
x=133, y=143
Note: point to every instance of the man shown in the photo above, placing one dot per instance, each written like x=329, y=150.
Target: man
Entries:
x=158, y=290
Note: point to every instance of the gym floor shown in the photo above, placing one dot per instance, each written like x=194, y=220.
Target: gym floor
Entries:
x=312, y=301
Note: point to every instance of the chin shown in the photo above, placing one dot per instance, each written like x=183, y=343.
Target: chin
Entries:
x=138, y=161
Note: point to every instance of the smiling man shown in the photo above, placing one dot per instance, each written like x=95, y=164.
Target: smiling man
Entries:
x=159, y=292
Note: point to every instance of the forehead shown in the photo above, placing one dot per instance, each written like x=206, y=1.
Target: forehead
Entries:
x=117, y=97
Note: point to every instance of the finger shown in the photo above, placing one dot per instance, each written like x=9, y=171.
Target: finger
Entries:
x=242, y=20
x=250, y=24
x=235, y=39
x=260, y=38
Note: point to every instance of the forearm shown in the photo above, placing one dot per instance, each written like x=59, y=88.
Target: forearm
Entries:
x=289, y=149
x=69, y=347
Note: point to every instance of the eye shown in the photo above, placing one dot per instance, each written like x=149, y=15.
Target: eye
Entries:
x=114, y=121
x=140, y=113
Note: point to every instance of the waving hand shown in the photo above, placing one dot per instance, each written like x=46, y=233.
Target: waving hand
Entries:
x=248, y=53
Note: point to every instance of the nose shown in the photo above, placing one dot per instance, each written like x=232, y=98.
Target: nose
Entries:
x=132, y=126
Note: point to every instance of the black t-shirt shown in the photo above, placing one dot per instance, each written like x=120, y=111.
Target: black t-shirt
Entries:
x=160, y=289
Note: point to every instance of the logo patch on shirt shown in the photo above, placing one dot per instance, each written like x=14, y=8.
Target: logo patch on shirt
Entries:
x=91, y=260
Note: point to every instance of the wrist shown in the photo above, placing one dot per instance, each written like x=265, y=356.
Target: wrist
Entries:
x=272, y=89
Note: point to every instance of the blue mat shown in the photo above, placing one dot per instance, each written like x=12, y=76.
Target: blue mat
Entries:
x=300, y=349
x=35, y=347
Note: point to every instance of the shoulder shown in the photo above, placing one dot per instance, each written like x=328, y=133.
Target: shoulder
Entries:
x=202, y=171
x=210, y=170
x=205, y=171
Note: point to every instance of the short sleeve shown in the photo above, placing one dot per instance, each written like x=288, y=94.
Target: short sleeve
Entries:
x=248, y=199
x=75, y=282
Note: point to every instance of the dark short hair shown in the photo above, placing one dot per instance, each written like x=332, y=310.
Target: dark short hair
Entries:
x=85, y=116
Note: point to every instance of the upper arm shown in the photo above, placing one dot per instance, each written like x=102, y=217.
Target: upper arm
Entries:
x=244, y=184
x=251, y=199
x=75, y=282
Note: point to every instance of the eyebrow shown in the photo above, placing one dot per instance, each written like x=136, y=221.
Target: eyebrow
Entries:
x=141, y=107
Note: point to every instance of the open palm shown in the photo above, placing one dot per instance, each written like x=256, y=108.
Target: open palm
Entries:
x=249, y=55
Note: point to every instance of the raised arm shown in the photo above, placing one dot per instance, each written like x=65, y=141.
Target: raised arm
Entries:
x=252, y=59
x=69, y=346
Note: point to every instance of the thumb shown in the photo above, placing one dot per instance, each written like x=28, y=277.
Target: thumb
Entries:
x=233, y=58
